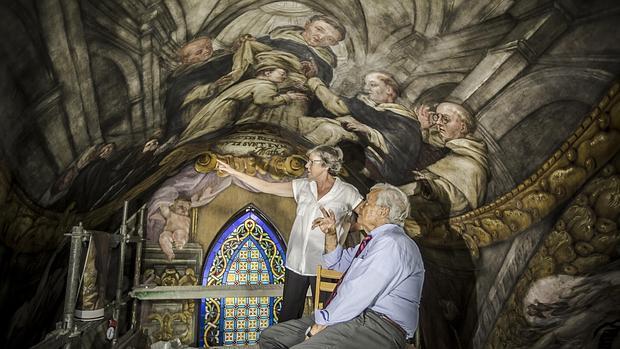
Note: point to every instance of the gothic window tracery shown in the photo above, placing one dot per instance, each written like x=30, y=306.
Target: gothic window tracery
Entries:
x=247, y=251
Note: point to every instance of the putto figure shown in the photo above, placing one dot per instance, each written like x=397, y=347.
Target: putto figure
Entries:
x=176, y=230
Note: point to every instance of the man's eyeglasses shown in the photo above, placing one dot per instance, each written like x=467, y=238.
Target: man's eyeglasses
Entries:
x=438, y=117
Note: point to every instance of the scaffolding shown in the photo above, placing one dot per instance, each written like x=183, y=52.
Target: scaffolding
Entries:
x=70, y=331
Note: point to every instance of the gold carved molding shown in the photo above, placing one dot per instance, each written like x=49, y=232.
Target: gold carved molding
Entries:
x=174, y=324
x=583, y=239
x=585, y=152
x=276, y=166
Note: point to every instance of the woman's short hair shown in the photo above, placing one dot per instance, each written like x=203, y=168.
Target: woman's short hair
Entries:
x=393, y=198
x=331, y=157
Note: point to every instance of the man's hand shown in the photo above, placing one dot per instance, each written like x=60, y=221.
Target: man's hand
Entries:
x=425, y=116
x=316, y=328
x=418, y=175
x=327, y=223
x=241, y=39
x=309, y=68
x=297, y=96
x=355, y=126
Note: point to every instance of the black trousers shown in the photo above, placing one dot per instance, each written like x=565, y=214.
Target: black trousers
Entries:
x=294, y=297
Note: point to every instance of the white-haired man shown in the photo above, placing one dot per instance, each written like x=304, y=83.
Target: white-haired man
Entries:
x=458, y=181
x=375, y=304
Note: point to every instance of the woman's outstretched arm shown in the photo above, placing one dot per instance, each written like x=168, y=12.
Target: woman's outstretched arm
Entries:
x=281, y=189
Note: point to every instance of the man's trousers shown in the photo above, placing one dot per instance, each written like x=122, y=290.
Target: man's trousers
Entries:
x=367, y=330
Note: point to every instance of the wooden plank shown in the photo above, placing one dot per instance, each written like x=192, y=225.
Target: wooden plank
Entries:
x=328, y=286
x=330, y=274
x=199, y=292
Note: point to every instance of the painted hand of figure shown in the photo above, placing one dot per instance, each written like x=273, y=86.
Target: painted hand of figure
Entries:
x=299, y=86
x=309, y=69
x=425, y=116
x=241, y=39
x=297, y=96
x=354, y=126
x=327, y=223
x=417, y=175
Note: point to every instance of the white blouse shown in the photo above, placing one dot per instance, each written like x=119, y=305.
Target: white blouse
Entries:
x=306, y=245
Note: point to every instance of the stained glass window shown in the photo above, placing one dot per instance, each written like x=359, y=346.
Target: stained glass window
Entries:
x=248, y=251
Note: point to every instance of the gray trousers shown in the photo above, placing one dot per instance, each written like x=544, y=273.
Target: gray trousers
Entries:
x=367, y=330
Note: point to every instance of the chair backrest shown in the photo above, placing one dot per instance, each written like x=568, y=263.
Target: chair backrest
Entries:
x=326, y=280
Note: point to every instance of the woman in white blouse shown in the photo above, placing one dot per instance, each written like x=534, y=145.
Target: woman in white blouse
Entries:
x=321, y=189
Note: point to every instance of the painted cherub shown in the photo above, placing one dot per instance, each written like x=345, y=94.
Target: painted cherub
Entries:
x=176, y=230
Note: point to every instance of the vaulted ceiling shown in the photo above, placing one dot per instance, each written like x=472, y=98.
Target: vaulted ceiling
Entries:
x=443, y=49
x=78, y=73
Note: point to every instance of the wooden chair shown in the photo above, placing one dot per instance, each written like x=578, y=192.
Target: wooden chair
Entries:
x=326, y=281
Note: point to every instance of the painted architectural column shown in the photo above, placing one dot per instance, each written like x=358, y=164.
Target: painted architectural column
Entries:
x=113, y=33
x=137, y=37
x=536, y=31
x=64, y=35
x=539, y=24
x=155, y=41
x=48, y=112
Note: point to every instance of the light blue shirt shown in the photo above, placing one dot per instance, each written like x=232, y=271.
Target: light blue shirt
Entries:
x=386, y=277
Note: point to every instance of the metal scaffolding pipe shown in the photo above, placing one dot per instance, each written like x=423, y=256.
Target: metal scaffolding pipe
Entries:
x=73, y=278
x=121, y=271
x=138, y=266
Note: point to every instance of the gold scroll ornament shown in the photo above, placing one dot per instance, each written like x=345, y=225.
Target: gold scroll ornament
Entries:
x=276, y=166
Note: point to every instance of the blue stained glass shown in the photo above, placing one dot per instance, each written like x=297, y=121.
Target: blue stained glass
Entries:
x=248, y=251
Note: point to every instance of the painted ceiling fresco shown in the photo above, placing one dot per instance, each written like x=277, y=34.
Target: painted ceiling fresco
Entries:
x=499, y=118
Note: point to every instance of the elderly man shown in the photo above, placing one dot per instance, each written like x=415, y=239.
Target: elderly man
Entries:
x=389, y=131
x=458, y=181
x=375, y=305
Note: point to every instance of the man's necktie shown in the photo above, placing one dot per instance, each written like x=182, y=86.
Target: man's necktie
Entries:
x=361, y=248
